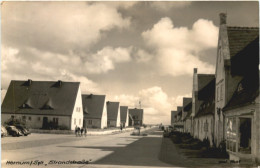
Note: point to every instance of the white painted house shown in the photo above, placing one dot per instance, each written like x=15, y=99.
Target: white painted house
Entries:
x=44, y=104
x=231, y=41
x=95, y=111
x=124, y=114
x=113, y=114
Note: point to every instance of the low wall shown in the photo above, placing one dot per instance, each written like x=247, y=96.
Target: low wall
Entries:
x=90, y=131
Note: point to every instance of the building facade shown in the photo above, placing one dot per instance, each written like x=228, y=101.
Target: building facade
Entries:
x=124, y=116
x=44, y=104
x=113, y=114
x=95, y=111
x=137, y=116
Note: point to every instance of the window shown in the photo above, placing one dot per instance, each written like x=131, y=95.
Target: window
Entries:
x=30, y=118
x=217, y=93
x=79, y=121
x=24, y=118
x=12, y=117
x=231, y=134
x=75, y=121
x=39, y=118
x=78, y=109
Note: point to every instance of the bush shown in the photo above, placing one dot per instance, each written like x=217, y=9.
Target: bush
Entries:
x=63, y=127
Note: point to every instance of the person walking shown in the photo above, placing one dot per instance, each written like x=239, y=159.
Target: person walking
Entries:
x=85, y=131
x=81, y=131
x=76, y=131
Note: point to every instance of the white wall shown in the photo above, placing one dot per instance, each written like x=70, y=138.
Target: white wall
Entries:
x=118, y=121
x=127, y=118
x=104, y=116
x=78, y=115
x=37, y=120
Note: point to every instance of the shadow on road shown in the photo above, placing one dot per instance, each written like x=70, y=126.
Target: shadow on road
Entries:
x=142, y=152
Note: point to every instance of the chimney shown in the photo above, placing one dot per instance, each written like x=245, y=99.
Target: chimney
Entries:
x=195, y=70
x=223, y=18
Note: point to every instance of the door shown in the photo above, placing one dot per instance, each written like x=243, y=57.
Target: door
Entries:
x=245, y=135
x=45, y=123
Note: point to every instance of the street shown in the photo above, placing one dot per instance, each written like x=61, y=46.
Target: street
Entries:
x=50, y=150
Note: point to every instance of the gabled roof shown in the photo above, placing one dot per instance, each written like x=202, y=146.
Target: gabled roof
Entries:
x=189, y=111
x=173, y=115
x=186, y=103
x=93, y=105
x=208, y=90
x=204, y=79
x=112, y=110
x=123, y=113
x=247, y=60
x=137, y=112
x=179, y=110
x=207, y=95
x=40, y=97
x=240, y=37
x=246, y=92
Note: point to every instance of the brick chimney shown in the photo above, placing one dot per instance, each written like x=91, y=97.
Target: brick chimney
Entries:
x=223, y=18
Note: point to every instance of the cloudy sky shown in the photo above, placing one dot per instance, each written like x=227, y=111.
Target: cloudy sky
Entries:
x=130, y=51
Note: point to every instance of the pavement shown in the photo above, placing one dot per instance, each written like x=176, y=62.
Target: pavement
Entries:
x=116, y=150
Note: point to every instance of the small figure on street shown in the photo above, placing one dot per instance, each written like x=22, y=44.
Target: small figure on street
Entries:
x=85, y=131
x=121, y=127
x=81, y=131
x=76, y=131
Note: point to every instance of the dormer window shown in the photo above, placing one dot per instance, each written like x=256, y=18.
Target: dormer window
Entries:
x=47, y=105
x=26, y=104
x=240, y=88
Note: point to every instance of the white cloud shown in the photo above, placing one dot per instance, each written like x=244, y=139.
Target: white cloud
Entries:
x=143, y=56
x=59, y=25
x=154, y=101
x=166, y=6
x=105, y=59
x=177, y=48
x=47, y=66
x=178, y=100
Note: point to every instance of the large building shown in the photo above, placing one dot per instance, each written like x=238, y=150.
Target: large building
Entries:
x=137, y=116
x=44, y=104
x=95, y=111
x=241, y=113
x=204, y=118
x=124, y=116
x=113, y=114
x=232, y=41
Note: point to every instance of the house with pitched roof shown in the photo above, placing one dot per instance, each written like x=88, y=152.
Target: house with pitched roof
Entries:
x=95, y=111
x=204, y=118
x=199, y=82
x=186, y=112
x=124, y=116
x=231, y=42
x=137, y=115
x=241, y=112
x=173, y=117
x=113, y=114
x=44, y=104
x=179, y=123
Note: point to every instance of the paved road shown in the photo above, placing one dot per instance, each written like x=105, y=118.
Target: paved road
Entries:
x=119, y=150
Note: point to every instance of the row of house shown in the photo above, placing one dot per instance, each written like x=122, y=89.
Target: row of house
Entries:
x=224, y=107
x=61, y=105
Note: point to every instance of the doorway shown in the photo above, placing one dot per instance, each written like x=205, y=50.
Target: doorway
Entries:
x=245, y=135
x=45, y=123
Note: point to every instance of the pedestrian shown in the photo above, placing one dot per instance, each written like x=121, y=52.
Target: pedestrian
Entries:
x=85, y=131
x=76, y=131
x=121, y=127
x=81, y=131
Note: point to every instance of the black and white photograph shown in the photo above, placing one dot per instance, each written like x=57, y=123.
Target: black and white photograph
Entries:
x=130, y=84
